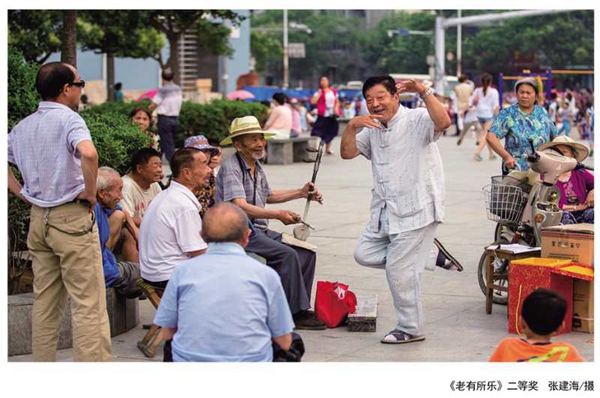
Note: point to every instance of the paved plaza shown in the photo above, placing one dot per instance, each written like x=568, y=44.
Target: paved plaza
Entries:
x=456, y=325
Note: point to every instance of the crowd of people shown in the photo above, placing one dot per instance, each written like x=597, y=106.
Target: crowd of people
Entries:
x=93, y=229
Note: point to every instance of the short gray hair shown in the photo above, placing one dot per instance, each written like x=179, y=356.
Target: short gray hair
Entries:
x=106, y=176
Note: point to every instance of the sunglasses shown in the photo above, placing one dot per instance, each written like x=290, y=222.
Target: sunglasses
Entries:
x=80, y=84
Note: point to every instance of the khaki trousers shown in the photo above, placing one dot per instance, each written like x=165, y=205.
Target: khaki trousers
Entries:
x=64, y=244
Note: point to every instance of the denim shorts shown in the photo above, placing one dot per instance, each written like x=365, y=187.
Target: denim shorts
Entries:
x=483, y=120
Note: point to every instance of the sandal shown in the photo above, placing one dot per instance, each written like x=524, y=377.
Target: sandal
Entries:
x=448, y=262
x=399, y=337
x=477, y=158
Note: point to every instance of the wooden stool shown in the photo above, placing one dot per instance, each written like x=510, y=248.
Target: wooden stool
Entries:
x=492, y=276
x=154, y=336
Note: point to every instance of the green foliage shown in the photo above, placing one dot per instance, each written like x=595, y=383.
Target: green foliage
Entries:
x=118, y=32
x=558, y=41
x=123, y=108
x=35, y=32
x=264, y=48
x=212, y=120
x=116, y=138
x=213, y=38
x=22, y=97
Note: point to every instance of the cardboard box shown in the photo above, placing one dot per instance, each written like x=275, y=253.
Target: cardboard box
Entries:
x=527, y=275
x=575, y=242
x=583, y=306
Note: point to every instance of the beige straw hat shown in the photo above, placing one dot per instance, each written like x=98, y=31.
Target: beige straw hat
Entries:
x=245, y=125
x=580, y=150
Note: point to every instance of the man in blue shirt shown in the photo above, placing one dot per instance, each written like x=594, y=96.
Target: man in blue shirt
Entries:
x=224, y=306
x=110, y=218
x=521, y=124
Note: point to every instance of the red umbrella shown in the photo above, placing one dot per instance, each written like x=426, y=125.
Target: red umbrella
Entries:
x=148, y=94
x=240, y=95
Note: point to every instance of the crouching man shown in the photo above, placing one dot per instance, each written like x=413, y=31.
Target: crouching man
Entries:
x=224, y=306
x=111, y=221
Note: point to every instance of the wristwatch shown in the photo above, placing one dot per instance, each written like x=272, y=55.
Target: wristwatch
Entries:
x=427, y=93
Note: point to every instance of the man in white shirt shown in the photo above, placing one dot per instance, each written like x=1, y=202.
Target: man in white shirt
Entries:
x=408, y=194
x=170, y=230
x=167, y=103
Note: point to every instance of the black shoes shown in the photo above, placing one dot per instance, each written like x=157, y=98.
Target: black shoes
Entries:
x=305, y=320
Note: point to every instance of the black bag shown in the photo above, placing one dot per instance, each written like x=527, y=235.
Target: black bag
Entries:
x=294, y=354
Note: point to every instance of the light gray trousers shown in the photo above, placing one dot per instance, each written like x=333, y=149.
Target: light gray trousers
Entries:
x=404, y=257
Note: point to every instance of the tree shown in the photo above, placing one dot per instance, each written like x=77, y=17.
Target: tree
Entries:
x=264, y=48
x=36, y=33
x=117, y=33
x=174, y=23
x=68, y=52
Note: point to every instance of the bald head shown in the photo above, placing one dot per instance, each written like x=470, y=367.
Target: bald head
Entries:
x=225, y=222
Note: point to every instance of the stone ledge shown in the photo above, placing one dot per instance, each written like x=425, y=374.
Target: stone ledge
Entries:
x=123, y=315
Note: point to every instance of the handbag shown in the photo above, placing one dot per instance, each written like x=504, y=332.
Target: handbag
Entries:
x=333, y=303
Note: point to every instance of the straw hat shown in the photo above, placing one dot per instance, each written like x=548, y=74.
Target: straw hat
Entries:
x=245, y=125
x=580, y=151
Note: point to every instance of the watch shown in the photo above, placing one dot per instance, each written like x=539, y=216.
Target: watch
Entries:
x=427, y=93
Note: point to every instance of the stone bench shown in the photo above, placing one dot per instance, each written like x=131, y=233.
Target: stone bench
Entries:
x=123, y=315
x=364, y=319
x=289, y=150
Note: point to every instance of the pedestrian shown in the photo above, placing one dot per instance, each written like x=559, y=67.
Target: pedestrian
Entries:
x=225, y=306
x=328, y=110
x=242, y=181
x=470, y=122
x=119, y=97
x=521, y=125
x=542, y=314
x=486, y=101
x=142, y=117
x=53, y=150
x=408, y=194
x=167, y=103
x=205, y=194
x=113, y=225
x=296, y=129
x=280, y=118
x=463, y=91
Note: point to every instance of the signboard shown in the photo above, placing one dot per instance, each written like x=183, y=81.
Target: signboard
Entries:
x=296, y=50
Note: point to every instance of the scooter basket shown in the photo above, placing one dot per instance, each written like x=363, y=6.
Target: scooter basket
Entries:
x=505, y=199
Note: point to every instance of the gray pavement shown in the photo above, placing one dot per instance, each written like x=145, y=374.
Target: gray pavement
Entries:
x=456, y=325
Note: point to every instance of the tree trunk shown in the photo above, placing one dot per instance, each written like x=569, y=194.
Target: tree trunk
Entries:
x=69, y=38
x=174, y=57
x=110, y=77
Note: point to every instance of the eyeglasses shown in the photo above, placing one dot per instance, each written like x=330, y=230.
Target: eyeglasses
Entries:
x=80, y=84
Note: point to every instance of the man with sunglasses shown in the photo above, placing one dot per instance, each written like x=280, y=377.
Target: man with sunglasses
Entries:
x=53, y=150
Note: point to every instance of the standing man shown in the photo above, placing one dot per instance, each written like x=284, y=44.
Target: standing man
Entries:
x=408, y=196
x=168, y=101
x=54, y=152
x=521, y=124
x=242, y=180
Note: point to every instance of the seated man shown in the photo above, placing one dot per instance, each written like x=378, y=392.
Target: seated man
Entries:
x=110, y=219
x=170, y=230
x=241, y=180
x=140, y=186
x=224, y=306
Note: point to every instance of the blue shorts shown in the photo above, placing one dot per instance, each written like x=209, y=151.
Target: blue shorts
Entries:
x=483, y=120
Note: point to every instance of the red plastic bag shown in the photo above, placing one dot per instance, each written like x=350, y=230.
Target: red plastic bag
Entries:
x=333, y=303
